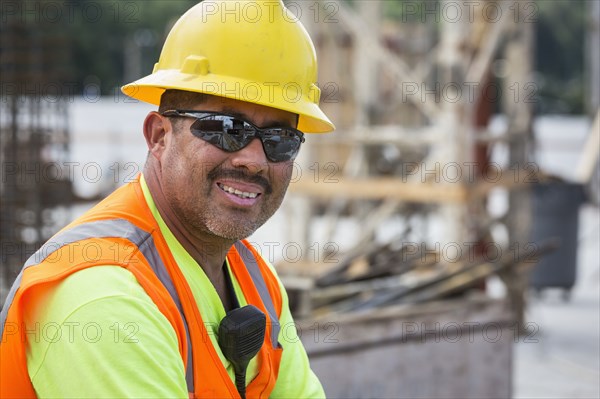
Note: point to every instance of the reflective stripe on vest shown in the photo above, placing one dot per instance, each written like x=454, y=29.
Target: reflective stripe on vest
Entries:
x=121, y=228
x=261, y=286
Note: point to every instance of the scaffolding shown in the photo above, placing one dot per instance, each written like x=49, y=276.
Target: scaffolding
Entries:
x=413, y=101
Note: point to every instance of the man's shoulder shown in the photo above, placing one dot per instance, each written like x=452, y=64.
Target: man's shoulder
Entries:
x=94, y=285
x=119, y=202
x=100, y=281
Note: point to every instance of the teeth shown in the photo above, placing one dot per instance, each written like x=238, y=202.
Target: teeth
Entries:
x=242, y=194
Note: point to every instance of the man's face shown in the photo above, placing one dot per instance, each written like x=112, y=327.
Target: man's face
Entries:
x=227, y=194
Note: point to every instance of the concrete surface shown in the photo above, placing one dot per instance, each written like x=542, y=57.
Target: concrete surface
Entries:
x=445, y=350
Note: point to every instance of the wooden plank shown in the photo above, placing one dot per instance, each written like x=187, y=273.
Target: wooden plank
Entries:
x=380, y=188
x=394, y=188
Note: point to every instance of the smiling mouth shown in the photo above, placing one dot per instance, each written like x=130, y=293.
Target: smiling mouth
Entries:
x=238, y=193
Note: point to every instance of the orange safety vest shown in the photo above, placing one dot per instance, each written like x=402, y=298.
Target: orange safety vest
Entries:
x=122, y=231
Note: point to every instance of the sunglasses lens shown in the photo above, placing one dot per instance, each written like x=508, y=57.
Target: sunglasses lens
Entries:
x=209, y=124
x=281, y=144
x=209, y=130
x=225, y=132
x=231, y=134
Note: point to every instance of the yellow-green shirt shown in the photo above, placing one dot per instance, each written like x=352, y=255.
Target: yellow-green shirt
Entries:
x=98, y=334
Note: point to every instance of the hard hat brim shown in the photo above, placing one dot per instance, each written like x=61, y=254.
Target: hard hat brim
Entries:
x=289, y=97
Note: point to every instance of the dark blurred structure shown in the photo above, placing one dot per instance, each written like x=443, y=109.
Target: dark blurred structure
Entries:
x=36, y=191
x=556, y=217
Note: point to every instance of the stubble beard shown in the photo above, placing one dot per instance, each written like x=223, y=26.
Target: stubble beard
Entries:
x=206, y=217
x=234, y=224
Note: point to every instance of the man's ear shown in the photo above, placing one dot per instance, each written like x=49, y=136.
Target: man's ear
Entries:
x=156, y=127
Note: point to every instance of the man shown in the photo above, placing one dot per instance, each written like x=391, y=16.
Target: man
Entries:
x=126, y=301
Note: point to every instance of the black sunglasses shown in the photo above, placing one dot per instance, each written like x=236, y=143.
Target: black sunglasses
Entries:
x=230, y=133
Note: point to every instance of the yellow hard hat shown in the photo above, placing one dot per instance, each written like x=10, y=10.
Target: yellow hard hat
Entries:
x=253, y=51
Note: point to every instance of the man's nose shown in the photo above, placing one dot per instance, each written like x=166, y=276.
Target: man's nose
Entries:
x=252, y=157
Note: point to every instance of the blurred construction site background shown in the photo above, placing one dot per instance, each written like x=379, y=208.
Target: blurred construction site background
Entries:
x=442, y=243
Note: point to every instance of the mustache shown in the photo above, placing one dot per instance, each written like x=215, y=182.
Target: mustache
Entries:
x=238, y=175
